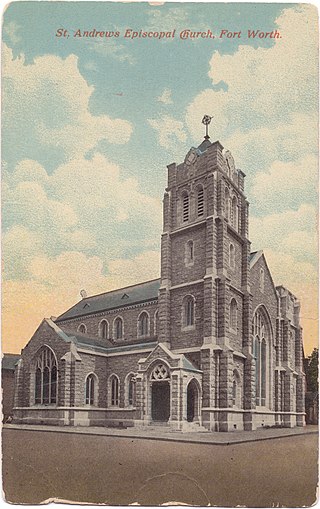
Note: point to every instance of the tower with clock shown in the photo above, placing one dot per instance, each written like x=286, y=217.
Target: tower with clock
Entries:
x=212, y=343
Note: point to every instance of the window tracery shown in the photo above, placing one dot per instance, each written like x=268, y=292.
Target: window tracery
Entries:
x=46, y=378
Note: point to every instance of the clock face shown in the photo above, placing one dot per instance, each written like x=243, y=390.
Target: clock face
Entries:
x=230, y=161
x=191, y=157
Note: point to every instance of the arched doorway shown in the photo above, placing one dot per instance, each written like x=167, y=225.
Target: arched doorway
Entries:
x=192, y=401
x=160, y=393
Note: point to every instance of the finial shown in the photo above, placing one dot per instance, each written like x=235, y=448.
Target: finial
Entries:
x=206, y=121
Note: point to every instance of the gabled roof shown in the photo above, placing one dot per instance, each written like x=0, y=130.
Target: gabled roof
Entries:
x=142, y=292
x=184, y=363
x=254, y=257
x=9, y=361
x=93, y=343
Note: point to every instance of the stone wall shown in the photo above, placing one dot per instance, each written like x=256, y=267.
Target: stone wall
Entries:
x=130, y=317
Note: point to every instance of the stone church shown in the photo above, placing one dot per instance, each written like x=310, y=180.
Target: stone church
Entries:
x=212, y=344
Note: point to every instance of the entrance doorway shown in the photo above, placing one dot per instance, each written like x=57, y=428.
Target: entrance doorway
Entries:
x=160, y=401
x=192, y=402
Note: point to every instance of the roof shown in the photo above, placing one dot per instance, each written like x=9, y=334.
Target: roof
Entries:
x=142, y=292
x=84, y=340
x=9, y=361
x=96, y=344
x=254, y=257
x=188, y=365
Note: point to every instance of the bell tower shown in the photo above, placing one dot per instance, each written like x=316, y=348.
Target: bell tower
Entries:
x=204, y=300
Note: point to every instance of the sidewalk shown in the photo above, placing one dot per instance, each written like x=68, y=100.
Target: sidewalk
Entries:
x=206, y=437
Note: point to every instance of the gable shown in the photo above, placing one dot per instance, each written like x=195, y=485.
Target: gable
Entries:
x=267, y=294
x=47, y=334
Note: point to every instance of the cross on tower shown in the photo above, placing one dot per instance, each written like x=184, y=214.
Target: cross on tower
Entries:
x=206, y=121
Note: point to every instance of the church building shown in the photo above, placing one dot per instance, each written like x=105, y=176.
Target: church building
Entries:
x=212, y=344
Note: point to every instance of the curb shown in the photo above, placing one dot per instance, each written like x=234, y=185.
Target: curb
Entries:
x=159, y=438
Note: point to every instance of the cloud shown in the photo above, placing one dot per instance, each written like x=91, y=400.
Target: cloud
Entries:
x=287, y=71
x=84, y=205
x=283, y=232
x=168, y=19
x=55, y=286
x=285, y=184
x=112, y=48
x=165, y=97
x=11, y=29
x=19, y=245
x=54, y=110
x=169, y=130
x=143, y=267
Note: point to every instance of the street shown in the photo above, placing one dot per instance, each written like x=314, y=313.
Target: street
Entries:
x=38, y=465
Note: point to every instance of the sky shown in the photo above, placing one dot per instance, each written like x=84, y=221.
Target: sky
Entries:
x=90, y=124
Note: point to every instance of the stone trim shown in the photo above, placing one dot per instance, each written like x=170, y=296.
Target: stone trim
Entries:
x=82, y=408
x=114, y=354
x=236, y=290
x=250, y=411
x=239, y=354
x=186, y=350
x=188, y=226
x=183, y=285
x=104, y=311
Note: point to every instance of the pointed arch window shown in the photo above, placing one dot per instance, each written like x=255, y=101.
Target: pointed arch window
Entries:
x=261, y=280
x=236, y=390
x=226, y=203
x=188, y=311
x=118, y=328
x=90, y=389
x=189, y=256
x=156, y=323
x=46, y=378
x=261, y=346
x=185, y=207
x=232, y=256
x=115, y=389
x=82, y=328
x=143, y=324
x=233, y=314
x=104, y=329
x=234, y=213
x=200, y=202
x=130, y=390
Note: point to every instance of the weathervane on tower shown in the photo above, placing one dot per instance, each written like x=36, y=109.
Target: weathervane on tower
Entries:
x=206, y=121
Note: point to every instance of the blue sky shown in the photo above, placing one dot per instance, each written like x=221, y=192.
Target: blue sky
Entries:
x=90, y=125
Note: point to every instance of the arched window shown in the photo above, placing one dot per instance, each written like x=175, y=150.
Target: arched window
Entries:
x=226, y=203
x=114, y=386
x=263, y=371
x=188, y=311
x=130, y=390
x=156, y=323
x=232, y=256
x=261, y=347
x=90, y=389
x=82, y=328
x=236, y=390
x=189, y=252
x=104, y=329
x=118, y=328
x=143, y=324
x=185, y=207
x=261, y=280
x=200, y=202
x=234, y=213
x=233, y=314
x=46, y=377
